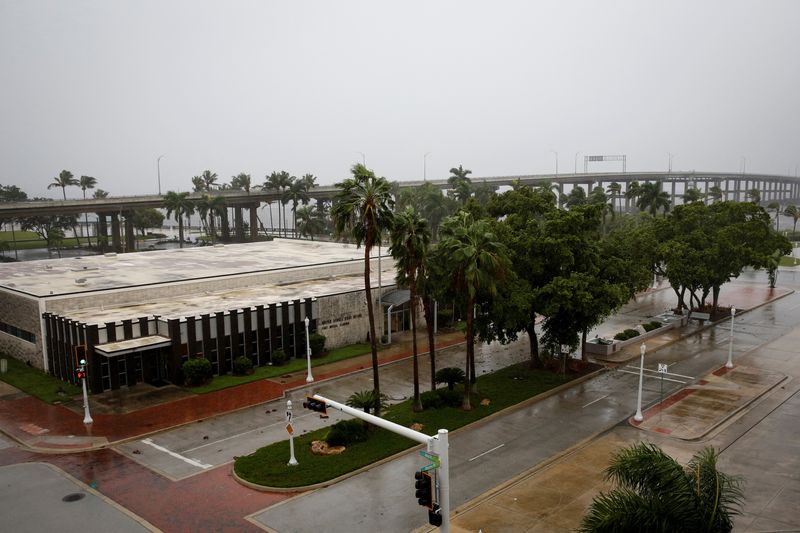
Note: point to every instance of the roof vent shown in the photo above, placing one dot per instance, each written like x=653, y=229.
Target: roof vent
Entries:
x=80, y=281
x=111, y=254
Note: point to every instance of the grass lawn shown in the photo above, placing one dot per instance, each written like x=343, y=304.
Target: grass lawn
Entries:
x=293, y=365
x=506, y=387
x=788, y=260
x=36, y=383
x=31, y=241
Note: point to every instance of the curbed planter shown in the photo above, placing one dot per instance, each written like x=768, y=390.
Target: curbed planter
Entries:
x=606, y=347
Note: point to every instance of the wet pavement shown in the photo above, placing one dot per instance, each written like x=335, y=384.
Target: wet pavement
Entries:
x=174, y=495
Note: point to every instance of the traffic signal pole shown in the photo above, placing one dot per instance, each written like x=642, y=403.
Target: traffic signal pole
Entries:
x=437, y=444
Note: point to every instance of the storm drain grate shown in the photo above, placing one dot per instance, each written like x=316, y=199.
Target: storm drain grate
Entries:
x=74, y=497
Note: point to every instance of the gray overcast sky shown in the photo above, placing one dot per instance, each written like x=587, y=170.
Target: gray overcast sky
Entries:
x=102, y=88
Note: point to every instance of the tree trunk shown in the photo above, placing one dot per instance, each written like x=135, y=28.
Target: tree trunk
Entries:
x=427, y=306
x=714, y=298
x=584, y=357
x=536, y=361
x=271, y=223
x=180, y=230
x=465, y=404
x=376, y=386
x=412, y=285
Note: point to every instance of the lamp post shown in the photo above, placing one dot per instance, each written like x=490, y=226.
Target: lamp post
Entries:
x=309, y=377
x=363, y=158
x=158, y=164
x=556, y=153
x=729, y=364
x=575, y=170
x=638, y=416
x=669, y=163
x=425, y=166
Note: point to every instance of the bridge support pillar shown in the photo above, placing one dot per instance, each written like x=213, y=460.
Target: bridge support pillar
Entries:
x=239, y=221
x=130, y=234
x=116, y=240
x=253, y=222
x=102, y=232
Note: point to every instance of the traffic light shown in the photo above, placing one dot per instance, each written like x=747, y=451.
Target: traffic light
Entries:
x=316, y=405
x=435, y=516
x=80, y=373
x=424, y=486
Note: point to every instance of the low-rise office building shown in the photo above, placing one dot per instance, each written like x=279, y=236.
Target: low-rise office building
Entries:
x=136, y=317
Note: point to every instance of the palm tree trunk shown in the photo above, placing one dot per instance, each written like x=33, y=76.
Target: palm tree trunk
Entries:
x=376, y=386
x=14, y=238
x=180, y=230
x=413, y=288
x=465, y=404
x=271, y=223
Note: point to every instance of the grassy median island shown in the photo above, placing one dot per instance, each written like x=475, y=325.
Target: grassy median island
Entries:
x=504, y=388
x=36, y=383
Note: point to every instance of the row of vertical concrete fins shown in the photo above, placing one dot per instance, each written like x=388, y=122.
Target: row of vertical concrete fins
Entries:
x=261, y=334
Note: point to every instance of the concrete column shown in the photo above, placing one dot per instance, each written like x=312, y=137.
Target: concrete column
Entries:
x=253, y=222
x=239, y=221
x=116, y=240
x=102, y=233
x=130, y=235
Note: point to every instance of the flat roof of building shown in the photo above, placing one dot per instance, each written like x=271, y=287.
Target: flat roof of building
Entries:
x=77, y=275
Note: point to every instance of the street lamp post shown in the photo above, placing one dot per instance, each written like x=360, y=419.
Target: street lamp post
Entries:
x=638, y=416
x=729, y=364
x=575, y=170
x=363, y=158
x=309, y=377
x=556, y=153
x=425, y=166
x=158, y=164
x=669, y=163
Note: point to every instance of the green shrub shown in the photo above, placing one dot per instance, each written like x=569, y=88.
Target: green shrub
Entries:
x=627, y=334
x=317, y=344
x=279, y=357
x=650, y=326
x=441, y=398
x=450, y=375
x=242, y=366
x=346, y=432
x=365, y=400
x=196, y=371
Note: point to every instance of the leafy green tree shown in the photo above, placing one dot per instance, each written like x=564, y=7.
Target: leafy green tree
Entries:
x=576, y=197
x=754, y=195
x=49, y=228
x=715, y=193
x=242, y=182
x=309, y=222
x=653, y=199
x=12, y=193
x=179, y=204
x=209, y=207
x=478, y=262
x=147, y=218
x=451, y=376
x=656, y=494
x=65, y=179
x=363, y=209
x=483, y=192
x=100, y=193
x=615, y=191
x=410, y=238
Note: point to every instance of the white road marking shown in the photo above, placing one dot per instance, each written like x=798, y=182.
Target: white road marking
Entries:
x=487, y=451
x=636, y=368
x=212, y=443
x=651, y=377
x=192, y=462
x=594, y=401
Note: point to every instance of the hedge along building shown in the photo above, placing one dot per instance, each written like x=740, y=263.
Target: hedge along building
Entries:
x=139, y=316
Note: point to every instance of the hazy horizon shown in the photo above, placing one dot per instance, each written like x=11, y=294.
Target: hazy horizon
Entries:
x=104, y=88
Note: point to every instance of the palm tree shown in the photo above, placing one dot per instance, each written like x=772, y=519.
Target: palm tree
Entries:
x=100, y=193
x=241, y=182
x=198, y=184
x=366, y=400
x=65, y=179
x=794, y=212
x=652, y=198
x=553, y=190
x=614, y=189
x=576, y=197
x=209, y=207
x=754, y=195
x=691, y=195
x=656, y=494
x=632, y=192
x=309, y=222
x=180, y=204
x=715, y=193
x=457, y=175
x=477, y=261
x=297, y=193
x=777, y=207
x=363, y=209
x=272, y=183
x=410, y=238
x=209, y=179
x=87, y=182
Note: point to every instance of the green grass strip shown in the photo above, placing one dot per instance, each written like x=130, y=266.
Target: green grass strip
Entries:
x=293, y=365
x=788, y=260
x=504, y=388
x=36, y=383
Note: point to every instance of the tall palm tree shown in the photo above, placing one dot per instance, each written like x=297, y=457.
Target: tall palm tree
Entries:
x=652, y=198
x=715, y=193
x=180, y=204
x=632, y=192
x=656, y=494
x=242, y=182
x=65, y=179
x=553, y=190
x=614, y=189
x=198, y=185
x=87, y=182
x=100, y=193
x=209, y=179
x=794, y=212
x=309, y=222
x=272, y=183
x=363, y=209
x=458, y=174
x=478, y=261
x=410, y=238
x=209, y=207
x=297, y=193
